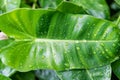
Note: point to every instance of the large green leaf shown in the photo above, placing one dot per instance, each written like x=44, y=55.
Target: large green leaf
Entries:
x=101, y=73
x=45, y=39
x=2, y=77
x=7, y=5
x=98, y=8
x=116, y=68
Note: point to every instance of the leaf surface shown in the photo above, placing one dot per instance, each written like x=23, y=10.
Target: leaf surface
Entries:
x=23, y=76
x=8, y=5
x=116, y=68
x=4, y=78
x=5, y=70
x=46, y=75
x=46, y=39
x=49, y=3
x=98, y=8
x=101, y=73
x=118, y=1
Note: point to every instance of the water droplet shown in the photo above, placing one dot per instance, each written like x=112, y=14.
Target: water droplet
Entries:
x=30, y=66
x=66, y=64
x=88, y=23
x=113, y=45
x=94, y=35
x=106, y=50
x=43, y=57
x=78, y=48
x=101, y=44
x=94, y=52
x=103, y=52
x=107, y=57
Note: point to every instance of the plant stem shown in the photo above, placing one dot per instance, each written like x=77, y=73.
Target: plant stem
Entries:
x=34, y=4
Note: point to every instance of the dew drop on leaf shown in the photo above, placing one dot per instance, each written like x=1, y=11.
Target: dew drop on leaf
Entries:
x=94, y=35
x=94, y=52
x=113, y=45
x=66, y=64
x=43, y=57
x=78, y=48
x=101, y=44
x=30, y=66
x=106, y=50
x=103, y=52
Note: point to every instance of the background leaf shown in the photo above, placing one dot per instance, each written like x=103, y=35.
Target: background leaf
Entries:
x=46, y=75
x=4, y=78
x=101, y=73
x=23, y=76
x=49, y=3
x=100, y=9
x=116, y=68
x=118, y=1
x=8, y=5
x=5, y=70
x=68, y=7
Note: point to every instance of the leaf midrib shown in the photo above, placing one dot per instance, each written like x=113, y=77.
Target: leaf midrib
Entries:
x=60, y=40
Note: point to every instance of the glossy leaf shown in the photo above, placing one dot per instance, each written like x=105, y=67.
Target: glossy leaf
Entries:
x=73, y=8
x=45, y=39
x=4, y=78
x=4, y=43
x=116, y=68
x=46, y=75
x=118, y=22
x=23, y=76
x=101, y=73
x=118, y=1
x=5, y=70
x=8, y=5
x=98, y=8
x=49, y=3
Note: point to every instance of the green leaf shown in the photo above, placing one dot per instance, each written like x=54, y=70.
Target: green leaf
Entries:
x=8, y=5
x=45, y=39
x=101, y=73
x=49, y=3
x=4, y=43
x=117, y=1
x=118, y=22
x=4, y=78
x=23, y=76
x=46, y=75
x=98, y=8
x=73, y=8
x=5, y=70
x=116, y=68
